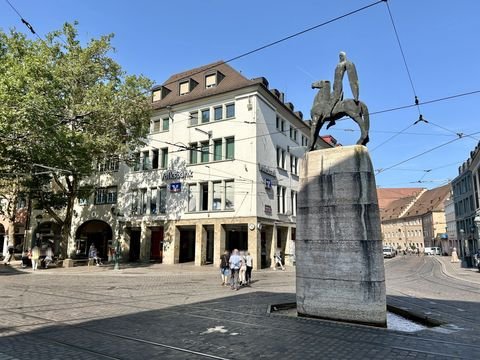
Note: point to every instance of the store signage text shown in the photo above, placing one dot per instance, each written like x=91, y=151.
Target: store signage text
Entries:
x=176, y=174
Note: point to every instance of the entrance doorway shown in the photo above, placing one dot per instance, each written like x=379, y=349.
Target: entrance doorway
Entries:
x=92, y=232
x=134, y=254
x=236, y=237
x=156, y=245
x=187, y=244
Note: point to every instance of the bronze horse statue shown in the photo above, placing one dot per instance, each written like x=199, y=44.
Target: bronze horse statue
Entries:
x=323, y=111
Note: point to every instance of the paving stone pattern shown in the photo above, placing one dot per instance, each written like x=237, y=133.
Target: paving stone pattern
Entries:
x=182, y=312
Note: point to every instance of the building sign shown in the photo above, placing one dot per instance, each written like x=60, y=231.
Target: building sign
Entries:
x=176, y=174
x=175, y=187
x=267, y=170
x=268, y=210
x=268, y=184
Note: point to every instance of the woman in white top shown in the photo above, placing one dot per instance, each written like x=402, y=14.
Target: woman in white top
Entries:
x=249, y=263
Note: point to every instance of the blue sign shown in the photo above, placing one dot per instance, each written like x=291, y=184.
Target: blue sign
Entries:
x=175, y=187
x=268, y=184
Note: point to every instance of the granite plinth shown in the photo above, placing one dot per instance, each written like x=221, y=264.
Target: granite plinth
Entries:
x=339, y=251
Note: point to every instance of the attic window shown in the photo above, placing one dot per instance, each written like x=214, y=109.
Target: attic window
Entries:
x=157, y=95
x=184, y=87
x=210, y=81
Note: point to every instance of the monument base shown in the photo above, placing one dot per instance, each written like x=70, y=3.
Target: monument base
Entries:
x=339, y=252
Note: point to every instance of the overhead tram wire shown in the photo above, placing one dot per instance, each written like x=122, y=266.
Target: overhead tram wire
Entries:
x=288, y=37
x=25, y=22
x=423, y=153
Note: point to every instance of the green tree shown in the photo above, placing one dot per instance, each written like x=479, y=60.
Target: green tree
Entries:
x=62, y=107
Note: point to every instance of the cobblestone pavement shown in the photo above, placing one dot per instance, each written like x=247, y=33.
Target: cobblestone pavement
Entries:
x=182, y=312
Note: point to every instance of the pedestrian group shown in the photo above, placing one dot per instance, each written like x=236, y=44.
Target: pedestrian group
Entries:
x=236, y=269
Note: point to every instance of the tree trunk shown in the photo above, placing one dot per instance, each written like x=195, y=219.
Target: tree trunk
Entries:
x=67, y=222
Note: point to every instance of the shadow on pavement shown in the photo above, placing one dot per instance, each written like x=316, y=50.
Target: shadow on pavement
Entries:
x=231, y=327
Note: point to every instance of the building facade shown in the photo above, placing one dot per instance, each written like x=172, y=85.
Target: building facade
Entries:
x=417, y=220
x=219, y=170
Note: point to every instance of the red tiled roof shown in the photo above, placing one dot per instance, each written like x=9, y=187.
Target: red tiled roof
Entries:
x=387, y=195
x=232, y=80
x=431, y=200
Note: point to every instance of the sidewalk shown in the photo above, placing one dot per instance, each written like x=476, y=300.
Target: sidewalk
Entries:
x=454, y=270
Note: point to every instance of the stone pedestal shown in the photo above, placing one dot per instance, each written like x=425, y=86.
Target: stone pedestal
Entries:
x=339, y=256
x=67, y=263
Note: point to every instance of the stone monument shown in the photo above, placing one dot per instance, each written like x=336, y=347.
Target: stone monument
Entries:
x=339, y=257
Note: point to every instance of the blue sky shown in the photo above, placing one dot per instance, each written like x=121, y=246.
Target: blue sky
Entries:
x=439, y=39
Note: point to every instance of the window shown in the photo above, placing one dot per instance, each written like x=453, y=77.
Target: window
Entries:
x=165, y=124
x=164, y=162
x=230, y=110
x=217, y=150
x=280, y=158
x=230, y=151
x=162, y=208
x=192, y=197
x=134, y=202
x=294, y=137
x=282, y=126
x=106, y=195
x=155, y=125
x=210, y=81
x=204, y=152
x=205, y=116
x=194, y=118
x=112, y=195
x=294, y=165
x=143, y=201
x=184, y=87
x=155, y=159
x=293, y=195
x=153, y=201
x=217, y=196
x=277, y=122
x=204, y=196
x=108, y=165
x=156, y=95
x=281, y=190
x=146, y=161
x=193, y=153
x=217, y=113
x=136, y=161
x=229, y=195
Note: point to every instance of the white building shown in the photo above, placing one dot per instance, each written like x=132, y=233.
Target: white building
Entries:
x=219, y=171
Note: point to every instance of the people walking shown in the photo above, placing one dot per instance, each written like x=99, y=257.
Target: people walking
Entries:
x=27, y=258
x=93, y=256
x=48, y=257
x=278, y=259
x=243, y=269
x=35, y=257
x=225, y=268
x=9, y=256
x=249, y=263
x=235, y=263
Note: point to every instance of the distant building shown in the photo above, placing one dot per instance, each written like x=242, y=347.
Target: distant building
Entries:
x=416, y=220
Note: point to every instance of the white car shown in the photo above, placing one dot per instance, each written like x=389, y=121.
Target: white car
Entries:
x=388, y=252
x=432, y=251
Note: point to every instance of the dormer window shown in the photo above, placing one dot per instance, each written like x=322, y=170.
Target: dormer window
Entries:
x=186, y=86
x=210, y=81
x=213, y=79
x=159, y=93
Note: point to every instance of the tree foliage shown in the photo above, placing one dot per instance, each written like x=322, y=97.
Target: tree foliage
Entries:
x=64, y=105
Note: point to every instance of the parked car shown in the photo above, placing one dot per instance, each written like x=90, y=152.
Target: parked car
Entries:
x=388, y=252
x=432, y=251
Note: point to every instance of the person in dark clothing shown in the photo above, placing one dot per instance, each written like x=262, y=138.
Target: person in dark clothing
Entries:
x=225, y=268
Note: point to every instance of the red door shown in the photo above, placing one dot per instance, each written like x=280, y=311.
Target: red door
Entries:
x=156, y=247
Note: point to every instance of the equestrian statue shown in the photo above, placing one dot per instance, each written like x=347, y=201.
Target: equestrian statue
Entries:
x=328, y=107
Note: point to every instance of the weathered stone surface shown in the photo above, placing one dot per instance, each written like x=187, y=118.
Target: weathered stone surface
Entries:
x=340, y=271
